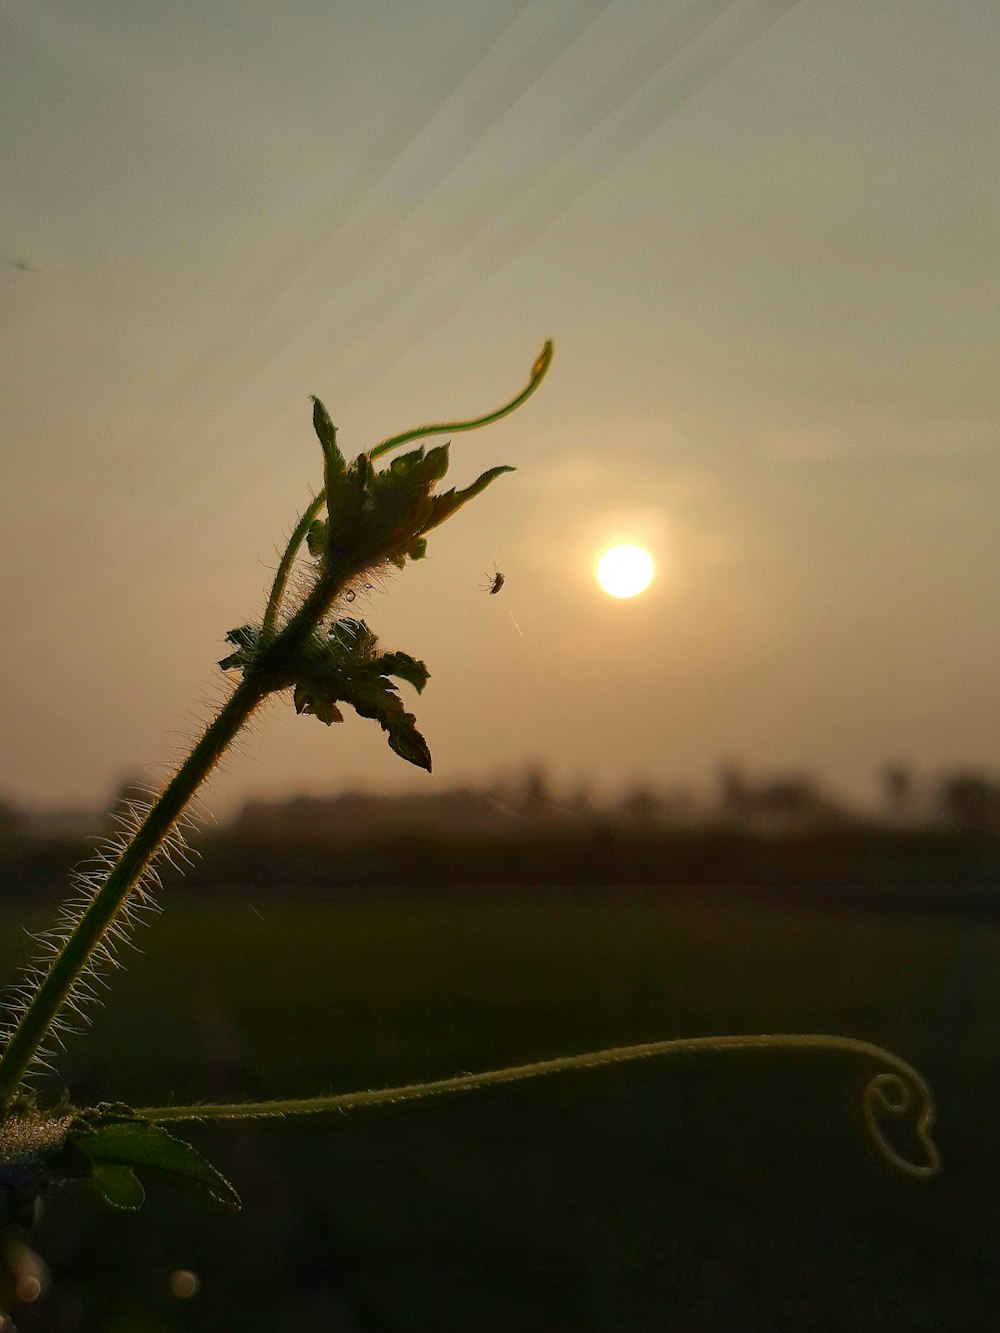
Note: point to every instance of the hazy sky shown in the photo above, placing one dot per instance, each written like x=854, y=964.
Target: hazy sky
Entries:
x=764, y=238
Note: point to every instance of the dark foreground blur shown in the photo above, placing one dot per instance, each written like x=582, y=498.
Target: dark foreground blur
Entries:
x=712, y=1192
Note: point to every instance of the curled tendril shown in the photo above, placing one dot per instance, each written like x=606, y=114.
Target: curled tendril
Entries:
x=892, y=1094
x=896, y=1090
x=541, y=364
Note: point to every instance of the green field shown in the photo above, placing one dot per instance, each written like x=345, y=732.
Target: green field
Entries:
x=709, y=1192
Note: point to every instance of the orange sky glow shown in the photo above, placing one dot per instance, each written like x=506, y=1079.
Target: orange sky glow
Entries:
x=763, y=238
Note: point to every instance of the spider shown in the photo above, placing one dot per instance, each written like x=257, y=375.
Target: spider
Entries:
x=494, y=582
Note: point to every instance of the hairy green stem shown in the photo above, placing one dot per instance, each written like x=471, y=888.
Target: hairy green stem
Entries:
x=287, y=560
x=268, y=673
x=891, y=1091
x=78, y=950
x=90, y=930
x=93, y=925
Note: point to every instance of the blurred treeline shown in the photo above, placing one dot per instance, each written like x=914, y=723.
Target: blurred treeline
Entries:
x=931, y=844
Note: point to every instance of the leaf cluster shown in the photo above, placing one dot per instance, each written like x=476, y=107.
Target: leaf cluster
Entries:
x=344, y=665
x=376, y=515
x=106, y=1145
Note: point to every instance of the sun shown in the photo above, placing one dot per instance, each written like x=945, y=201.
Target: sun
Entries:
x=625, y=570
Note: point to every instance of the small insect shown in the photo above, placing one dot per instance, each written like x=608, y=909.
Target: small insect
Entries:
x=494, y=582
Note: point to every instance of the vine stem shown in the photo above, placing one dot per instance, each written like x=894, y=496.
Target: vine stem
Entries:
x=287, y=560
x=538, y=372
x=89, y=932
x=891, y=1090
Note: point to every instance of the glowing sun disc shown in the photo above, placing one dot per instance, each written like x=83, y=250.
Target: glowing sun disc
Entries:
x=625, y=571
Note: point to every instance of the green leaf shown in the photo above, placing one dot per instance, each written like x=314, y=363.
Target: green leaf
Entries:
x=436, y=463
x=377, y=516
x=408, y=743
x=313, y=701
x=377, y=698
x=139, y=1145
x=316, y=537
x=345, y=666
x=347, y=505
x=245, y=638
x=405, y=667
x=443, y=506
x=417, y=468
x=118, y=1186
x=326, y=432
x=406, y=463
x=353, y=640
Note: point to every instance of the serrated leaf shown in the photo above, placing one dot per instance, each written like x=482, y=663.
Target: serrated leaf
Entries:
x=443, y=506
x=353, y=640
x=118, y=1186
x=312, y=701
x=377, y=698
x=142, y=1146
x=404, y=666
x=245, y=638
x=408, y=743
x=346, y=667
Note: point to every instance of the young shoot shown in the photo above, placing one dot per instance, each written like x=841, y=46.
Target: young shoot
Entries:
x=366, y=520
